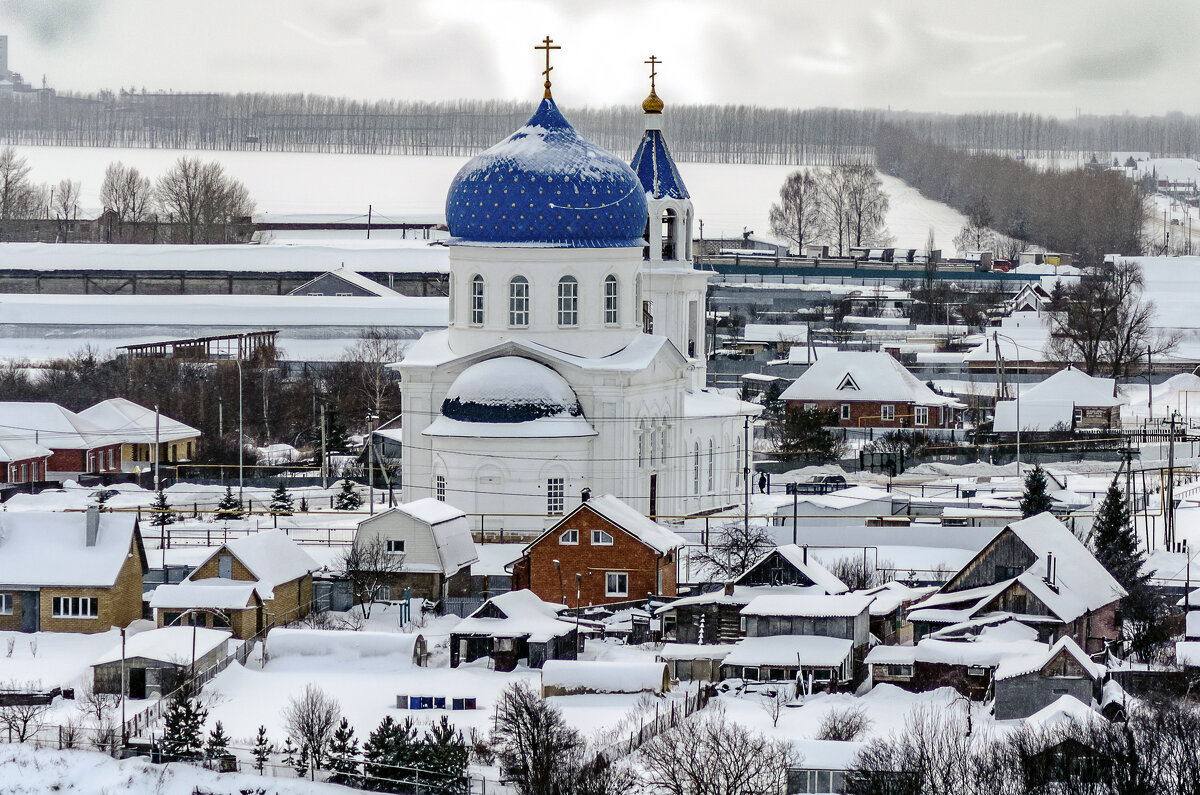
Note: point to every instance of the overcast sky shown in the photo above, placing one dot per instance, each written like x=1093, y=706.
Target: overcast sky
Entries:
x=1049, y=56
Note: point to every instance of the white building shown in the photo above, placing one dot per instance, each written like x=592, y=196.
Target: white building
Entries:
x=574, y=358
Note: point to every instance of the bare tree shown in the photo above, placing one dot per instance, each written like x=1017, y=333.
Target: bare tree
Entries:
x=374, y=385
x=310, y=719
x=774, y=700
x=534, y=744
x=202, y=198
x=797, y=217
x=19, y=197
x=709, y=755
x=835, y=227
x=369, y=567
x=844, y=725
x=126, y=193
x=66, y=199
x=22, y=721
x=735, y=548
x=866, y=205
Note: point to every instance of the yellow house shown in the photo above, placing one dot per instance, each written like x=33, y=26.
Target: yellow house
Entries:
x=134, y=426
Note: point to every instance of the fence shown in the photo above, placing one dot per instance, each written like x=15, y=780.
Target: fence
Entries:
x=663, y=719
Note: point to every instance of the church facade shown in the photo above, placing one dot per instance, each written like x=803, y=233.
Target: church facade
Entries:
x=574, y=358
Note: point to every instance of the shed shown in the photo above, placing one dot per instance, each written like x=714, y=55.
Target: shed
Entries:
x=401, y=647
x=155, y=660
x=693, y=661
x=785, y=657
x=1024, y=685
x=575, y=677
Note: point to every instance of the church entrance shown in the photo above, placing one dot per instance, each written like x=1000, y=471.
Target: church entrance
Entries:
x=653, y=496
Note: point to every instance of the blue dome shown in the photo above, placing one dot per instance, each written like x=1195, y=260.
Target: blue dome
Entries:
x=546, y=185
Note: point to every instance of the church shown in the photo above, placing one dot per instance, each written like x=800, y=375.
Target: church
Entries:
x=574, y=361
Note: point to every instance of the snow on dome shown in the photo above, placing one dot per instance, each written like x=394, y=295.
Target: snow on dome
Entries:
x=547, y=185
x=509, y=389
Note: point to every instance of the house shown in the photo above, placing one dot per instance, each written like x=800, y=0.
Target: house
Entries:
x=853, y=506
x=434, y=540
x=871, y=390
x=137, y=427
x=1070, y=399
x=248, y=584
x=757, y=337
x=344, y=282
x=77, y=445
x=890, y=604
x=1032, y=297
x=601, y=552
x=23, y=461
x=157, y=661
x=1024, y=685
x=575, y=677
x=70, y=571
x=817, y=663
x=515, y=627
x=688, y=662
x=1037, y=571
x=715, y=616
x=824, y=767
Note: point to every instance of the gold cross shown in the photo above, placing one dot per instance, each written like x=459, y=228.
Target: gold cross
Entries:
x=547, y=46
x=653, y=63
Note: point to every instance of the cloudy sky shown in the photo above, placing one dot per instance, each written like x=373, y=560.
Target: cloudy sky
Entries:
x=1056, y=57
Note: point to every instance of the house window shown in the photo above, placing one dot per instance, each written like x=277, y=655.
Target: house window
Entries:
x=810, y=406
x=976, y=671
x=569, y=537
x=846, y=411
x=601, y=538
x=395, y=546
x=616, y=583
x=555, y=493
x=23, y=473
x=439, y=486
x=477, y=300
x=900, y=671
x=887, y=412
x=568, y=301
x=6, y=604
x=75, y=607
x=502, y=644
x=518, y=302
x=941, y=415
x=611, y=304
x=921, y=415
x=1078, y=416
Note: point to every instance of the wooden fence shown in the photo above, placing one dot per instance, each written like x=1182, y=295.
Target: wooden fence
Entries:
x=666, y=716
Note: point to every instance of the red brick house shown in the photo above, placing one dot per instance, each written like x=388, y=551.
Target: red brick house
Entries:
x=606, y=551
x=22, y=461
x=1038, y=572
x=871, y=390
x=77, y=446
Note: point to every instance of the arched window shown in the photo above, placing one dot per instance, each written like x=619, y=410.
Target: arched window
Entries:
x=737, y=459
x=653, y=444
x=696, y=468
x=669, y=234
x=712, y=467
x=612, y=315
x=453, y=295
x=568, y=301
x=687, y=232
x=662, y=444
x=518, y=302
x=477, y=300
x=641, y=443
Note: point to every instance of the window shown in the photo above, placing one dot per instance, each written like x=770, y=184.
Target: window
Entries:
x=75, y=607
x=662, y=444
x=976, y=671
x=641, y=441
x=502, y=644
x=568, y=301
x=395, y=546
x=616, y=583
x=569, y=537
x=887, y=412
x=6, y=604
x=601, y=538
x=555, y=492
x=712, y=466
x=921, y=415
x=899, y=671
x=518, y=302
x=439, y=486
x=611, y=302
x=941, y=415
x=845, y=411
x=477, y=300
x=810, y=406
x=1078, y=416
x=696, y=468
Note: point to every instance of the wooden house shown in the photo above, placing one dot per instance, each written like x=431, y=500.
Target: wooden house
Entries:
x=516, y=627
x=70, y=571
x=1025, y=685
x=433, y=541
x=157, y=661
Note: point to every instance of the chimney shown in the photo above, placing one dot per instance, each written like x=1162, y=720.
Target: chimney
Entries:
x=805, y=549
x=585, y=495
x=1050, y=569
x=729, y=588
x=93, y=524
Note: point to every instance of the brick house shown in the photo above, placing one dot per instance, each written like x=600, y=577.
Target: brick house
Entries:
x=871, y=390
x=23, y=461
x=70, y=571
x=260, y=580
x=434, y=540
x=77, y=445
x=1037, y=571
x=606, y=551
x=134, y=427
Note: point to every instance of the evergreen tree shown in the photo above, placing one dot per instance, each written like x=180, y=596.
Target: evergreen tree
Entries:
x=281, y=501
x=445, y=755
x=289, y=752
x=183, y=732
x=218, y=743
x=343, y=755
x=348, y=499
x=262, y=750
x=161, y=513
x=303, y=505
x=1114, y=542
x=230, y=507
x=300, y=765
x=389, y=752
x=1035, y=500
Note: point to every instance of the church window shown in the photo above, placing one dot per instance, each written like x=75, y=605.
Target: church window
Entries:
x=653, y=445
x=477, y=300
x=696, y=468
x=668, y=234
x=662, y=444
x=712, y=466
x=555, y=496
x=641, y=441
x=450, y=292
x=611, y=302
x=439, y=485
x=518, y=302
x=568, y=301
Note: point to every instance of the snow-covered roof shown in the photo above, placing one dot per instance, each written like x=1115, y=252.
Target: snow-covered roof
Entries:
x=742, y=595
x=211, y=593
x=826, y=754
x=40, y=549
x=841, y=606
x=1035, y=416
x=1191, y=625
x=525, y=615
x=803, y=354
x=791, y=651
x=271, y=557
x=694, y=651
x=594, y=676
x=451, y=531
x=708, y=403
x=1020, y=665
x=509, y=389
x=290, y=642
x=562, y=427
x=50, y=425
x=806, y=564
x=1187, y=653
x=1022, y=337
x=974, y=652
x=350, y=277
x=1066, y=708
x=887, y=598
x=765, y=332
x=863, y=376
x=168, y=644
x=125, y=421
x=13, y=450
x=1054, y=400
x=649, y=532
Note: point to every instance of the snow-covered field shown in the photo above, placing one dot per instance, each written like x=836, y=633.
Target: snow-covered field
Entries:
x=728, y=198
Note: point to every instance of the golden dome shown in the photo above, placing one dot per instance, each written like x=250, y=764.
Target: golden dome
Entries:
x=652, y=103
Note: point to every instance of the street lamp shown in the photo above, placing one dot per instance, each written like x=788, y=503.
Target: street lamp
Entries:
x=996, y=336
x=241, y=432
x=562, y=595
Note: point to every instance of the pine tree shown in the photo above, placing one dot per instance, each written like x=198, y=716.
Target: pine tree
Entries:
x=1114, y=542
x=348, y=499
x=262, y=750
x=161, y=513
x=289, y=752
x=230, y=507
x=378, y=752
x=343, y=755
x=445, y=756
x=183, y=732
x=303, y=505
x=218, y=743
x=281, y=501
x=300, y=765
x=1035, y=500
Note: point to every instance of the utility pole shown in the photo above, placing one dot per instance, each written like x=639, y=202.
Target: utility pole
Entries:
x=1149, y=386
x=369, y=208
x=1168, y=492
x=157, y=480
x=371, y=459
x=746, y=478
x=324, y=453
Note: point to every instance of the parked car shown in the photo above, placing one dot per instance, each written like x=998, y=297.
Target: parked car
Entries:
x=818, y=484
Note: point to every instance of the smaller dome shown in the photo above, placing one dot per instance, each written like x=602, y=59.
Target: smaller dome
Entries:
x=509, y=389
x=652, y=103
